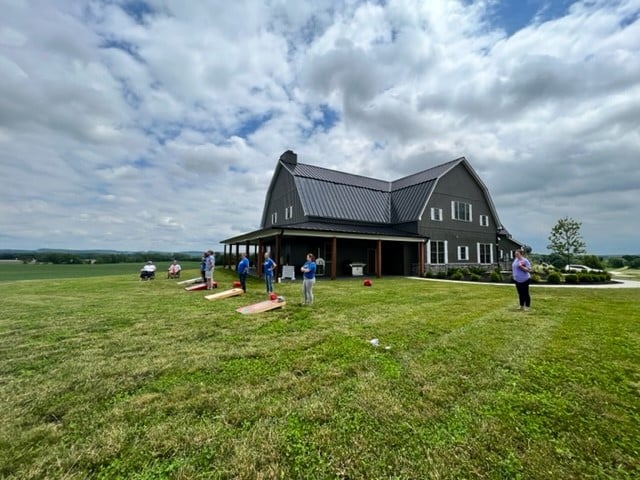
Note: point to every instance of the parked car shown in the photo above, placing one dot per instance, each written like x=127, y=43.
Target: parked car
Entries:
x=581, y=268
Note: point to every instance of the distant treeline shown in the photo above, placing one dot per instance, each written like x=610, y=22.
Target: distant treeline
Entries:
x=67, y=257
x=593, y=261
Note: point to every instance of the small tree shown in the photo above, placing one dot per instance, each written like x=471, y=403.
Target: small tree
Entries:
x=565, y=239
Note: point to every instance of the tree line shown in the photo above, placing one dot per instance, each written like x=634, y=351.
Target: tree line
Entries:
x=78, y=258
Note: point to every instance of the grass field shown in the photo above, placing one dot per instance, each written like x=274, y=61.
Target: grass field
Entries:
x=107, y=377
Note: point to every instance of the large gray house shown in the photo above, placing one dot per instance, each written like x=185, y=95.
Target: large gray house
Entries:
x=429, y=221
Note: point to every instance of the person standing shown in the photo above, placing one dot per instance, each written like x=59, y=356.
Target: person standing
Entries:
x=243, y=271
x=308, y=279
x=521, y=271
x=203, y=267
x=210, y=266
x=269, y=267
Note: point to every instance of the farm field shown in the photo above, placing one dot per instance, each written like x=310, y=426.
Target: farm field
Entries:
x=107, y=377
x=38, y=271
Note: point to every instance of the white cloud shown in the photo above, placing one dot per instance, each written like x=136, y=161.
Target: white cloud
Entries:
x=159, y=128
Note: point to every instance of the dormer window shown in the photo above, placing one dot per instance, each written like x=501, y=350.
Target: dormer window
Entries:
x=274, y=218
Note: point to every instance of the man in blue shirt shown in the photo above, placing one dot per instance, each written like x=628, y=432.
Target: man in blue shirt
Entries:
x=243, y=271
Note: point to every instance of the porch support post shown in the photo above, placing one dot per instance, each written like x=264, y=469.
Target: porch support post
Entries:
x=225, y=262
x=379, y=259
x=237, y=255
x=334, y=257
x=259, y=259
x=277, y=259
x=421, y=259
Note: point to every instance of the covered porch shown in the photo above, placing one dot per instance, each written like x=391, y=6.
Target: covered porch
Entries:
x=377, y=252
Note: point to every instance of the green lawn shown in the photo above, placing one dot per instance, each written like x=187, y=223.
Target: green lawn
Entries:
x=108, y=377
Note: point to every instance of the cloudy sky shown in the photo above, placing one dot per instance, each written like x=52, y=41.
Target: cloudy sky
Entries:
x=157, y=124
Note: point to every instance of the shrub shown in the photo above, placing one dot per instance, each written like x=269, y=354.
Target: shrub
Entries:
x=571, y=278
x=456, y=275
x=496, y=277
x=474, y=277
x=480, y=271
x=441, y=275
x=535, y=278
x=554, y=277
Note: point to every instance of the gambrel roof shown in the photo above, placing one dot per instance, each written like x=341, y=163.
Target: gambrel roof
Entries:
x=338, y=196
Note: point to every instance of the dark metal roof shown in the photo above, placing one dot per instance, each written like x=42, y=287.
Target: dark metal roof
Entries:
x=321, y=198
x=383, y=230
x=338, y=195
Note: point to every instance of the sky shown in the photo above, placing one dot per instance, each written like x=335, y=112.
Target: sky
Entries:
x=157, y=124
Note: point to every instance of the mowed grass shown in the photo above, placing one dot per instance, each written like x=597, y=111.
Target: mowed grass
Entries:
x=109, y=377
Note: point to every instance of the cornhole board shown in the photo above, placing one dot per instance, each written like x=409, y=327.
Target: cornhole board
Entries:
x=225, y=294
x=261, y=307
x=200, y=286
x=190, y=281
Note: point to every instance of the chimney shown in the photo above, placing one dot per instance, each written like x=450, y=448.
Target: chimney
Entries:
x=289, y=157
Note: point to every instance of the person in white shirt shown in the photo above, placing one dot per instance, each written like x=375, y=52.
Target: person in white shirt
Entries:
x=148, y=271
x=174, y=270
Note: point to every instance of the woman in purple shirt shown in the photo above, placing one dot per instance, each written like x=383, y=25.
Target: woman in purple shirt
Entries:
x=521, y=270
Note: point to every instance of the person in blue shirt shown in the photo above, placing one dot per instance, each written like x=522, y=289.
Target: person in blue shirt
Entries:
x=521, y=270
x=308, y=279
x=243, y=271
x=269, y=267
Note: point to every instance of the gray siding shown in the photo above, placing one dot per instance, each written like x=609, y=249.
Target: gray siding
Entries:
x=459, y=185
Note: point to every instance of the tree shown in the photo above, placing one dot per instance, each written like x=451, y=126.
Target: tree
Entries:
x=565, y=239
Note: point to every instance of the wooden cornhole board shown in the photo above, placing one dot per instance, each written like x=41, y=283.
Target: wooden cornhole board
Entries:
x=225, y=294
x=200, y=286
x=261, y=307
x=190, y=281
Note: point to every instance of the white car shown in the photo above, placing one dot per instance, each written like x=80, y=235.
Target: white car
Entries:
x=581, y=268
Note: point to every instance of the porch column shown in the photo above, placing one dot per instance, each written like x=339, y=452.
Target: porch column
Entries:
x=277, y=257
x=237, y=254
x=224, y=256
x=259, y=259
x=421, y=259
x=334, y=257
x=379, y=259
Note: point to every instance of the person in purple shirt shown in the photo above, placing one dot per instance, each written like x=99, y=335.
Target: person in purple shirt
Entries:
x=521, y=270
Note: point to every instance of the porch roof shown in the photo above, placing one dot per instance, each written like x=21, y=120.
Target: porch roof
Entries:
x=323, y=229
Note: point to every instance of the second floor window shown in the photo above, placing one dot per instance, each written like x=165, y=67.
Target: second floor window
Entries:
x=288, y=212
x=274, y=218
x=436, y=214
x=484, y=220
x=461, y=211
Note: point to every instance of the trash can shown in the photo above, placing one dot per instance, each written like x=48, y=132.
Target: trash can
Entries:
x=357, y=269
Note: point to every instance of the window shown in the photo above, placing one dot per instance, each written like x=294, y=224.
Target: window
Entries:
x=463, y=253
x=461, y=211
x=288, y=212
x=484, y=220
x=436, y=214
x=274, y=218
x=438, y=252
x=485, y=253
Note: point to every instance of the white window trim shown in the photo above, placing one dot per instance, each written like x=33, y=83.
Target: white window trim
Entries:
x=463, y=249
x=484, y=223
x=491, y=259
x=274, y=218
x=446, y=252
x=433, y=214
x=453, y=211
